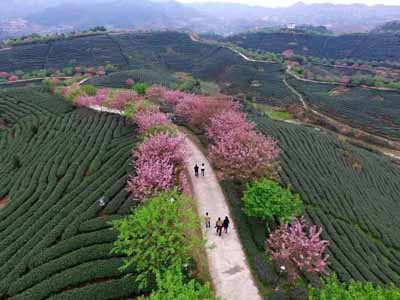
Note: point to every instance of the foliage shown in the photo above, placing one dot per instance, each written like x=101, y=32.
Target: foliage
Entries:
x=157, y=237
x=244, y=155
x=266, y=199
x=149, y=119
x=129, y=83
x=332, y=289
x=381, y=109
x=89, y=90
x=172, y=285
x=140, y=88
x=69, y=159
x=120, y=99
x=200, y=110
x=224, y=122
x=356, y=210
x=158, y=161
x=299, y=248
x=334, y=47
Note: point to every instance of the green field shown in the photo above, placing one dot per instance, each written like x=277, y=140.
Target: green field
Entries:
x=151, y=57
x=56, y=162
x=357, y=46
x=374, y=111
x=351, y=193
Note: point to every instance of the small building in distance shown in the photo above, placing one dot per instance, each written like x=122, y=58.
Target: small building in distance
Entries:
x=291, y=26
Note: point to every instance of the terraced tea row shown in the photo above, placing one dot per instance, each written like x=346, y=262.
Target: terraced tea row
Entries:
x=375, y=111
x=351, y=193
x=56, y=163
x=156, y=53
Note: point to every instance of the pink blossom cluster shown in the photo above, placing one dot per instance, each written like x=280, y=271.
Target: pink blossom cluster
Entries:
x=158, y=162
x=299, y=247
x=173, y=97
x=243, y=155
x=225, y=122
x=237, y=150
x=199, y=110
x=147, y=119
x=155, y=92
x=129, y=83
x=120, y=99
x=4, y=75
x=99, y=99
x=13, y=78
x=87, y=101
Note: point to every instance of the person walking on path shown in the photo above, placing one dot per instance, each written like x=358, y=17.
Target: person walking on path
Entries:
x=218, y=225
x=203, y=170
x=196, y=170
x=225, y=224
x=207, y=221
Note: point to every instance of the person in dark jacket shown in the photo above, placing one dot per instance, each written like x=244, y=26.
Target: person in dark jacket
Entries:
x=196, y=170
x=225, y=224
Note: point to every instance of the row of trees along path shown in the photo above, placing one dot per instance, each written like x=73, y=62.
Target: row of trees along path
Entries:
x=229, y=270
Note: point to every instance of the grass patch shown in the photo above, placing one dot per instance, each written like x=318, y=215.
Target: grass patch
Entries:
x=281, y=115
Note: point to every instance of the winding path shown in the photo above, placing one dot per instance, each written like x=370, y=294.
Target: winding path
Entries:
x=230, y=273
x=229, y=270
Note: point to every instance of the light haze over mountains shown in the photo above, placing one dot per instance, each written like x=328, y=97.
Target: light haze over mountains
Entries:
x=43, y=16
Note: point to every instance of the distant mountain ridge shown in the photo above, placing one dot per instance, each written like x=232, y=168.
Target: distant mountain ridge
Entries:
x=221, y=18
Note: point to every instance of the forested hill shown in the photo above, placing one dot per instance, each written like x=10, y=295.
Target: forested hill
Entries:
x=372, y=46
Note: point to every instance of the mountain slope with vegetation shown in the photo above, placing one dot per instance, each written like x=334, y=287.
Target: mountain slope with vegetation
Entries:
x=63, y=179
x=374, y=46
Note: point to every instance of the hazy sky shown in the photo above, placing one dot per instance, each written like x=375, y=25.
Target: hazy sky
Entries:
x=274, y=3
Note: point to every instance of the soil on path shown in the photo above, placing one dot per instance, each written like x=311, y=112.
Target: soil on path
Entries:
x=229, y=270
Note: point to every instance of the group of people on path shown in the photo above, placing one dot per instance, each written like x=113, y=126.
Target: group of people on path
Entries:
x=197, y=168
x=219, y=225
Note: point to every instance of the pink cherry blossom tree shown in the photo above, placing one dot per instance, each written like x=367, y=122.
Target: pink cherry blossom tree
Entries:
x=129, y=83
x=120, y=99
x=159, y=161
x=13, y=78
x=299, y=248
x=224, y=122
x=4, y=75
x=173, y=97
x=147, y=119
x=199, y=110
x=155, y=92
x=243, y=155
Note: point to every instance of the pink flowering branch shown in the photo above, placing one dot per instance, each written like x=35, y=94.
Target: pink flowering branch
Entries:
x=299, y=247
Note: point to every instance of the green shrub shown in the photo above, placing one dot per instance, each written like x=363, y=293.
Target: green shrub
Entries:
x=89, y=90
x=332, y=289
x=267, y=200
x=157, y=235
x=172, y=285
x=140, y=88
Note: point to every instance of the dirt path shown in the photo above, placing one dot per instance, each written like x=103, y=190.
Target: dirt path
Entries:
x=229, y=270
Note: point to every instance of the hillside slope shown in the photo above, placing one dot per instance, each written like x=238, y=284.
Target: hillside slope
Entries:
x=374, y=46
x=350, y=192
x=56, y=163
